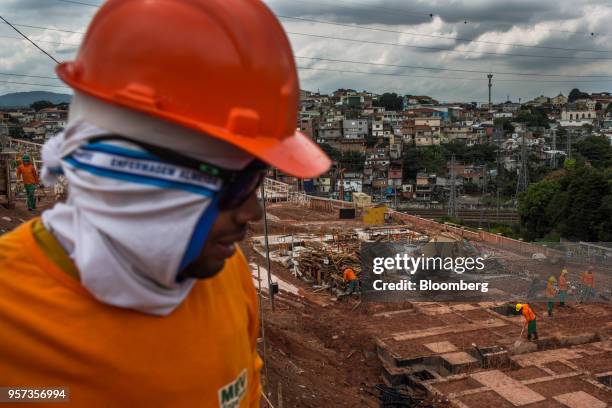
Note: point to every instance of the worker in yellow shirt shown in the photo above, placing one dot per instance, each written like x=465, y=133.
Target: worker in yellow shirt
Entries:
x=134, y=291
x=562, y=287
x=530, y=320
x=350, y=278
x=26, y=172
x=551, y=294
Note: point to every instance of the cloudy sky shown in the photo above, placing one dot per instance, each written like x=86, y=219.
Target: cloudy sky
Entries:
x=442, y=48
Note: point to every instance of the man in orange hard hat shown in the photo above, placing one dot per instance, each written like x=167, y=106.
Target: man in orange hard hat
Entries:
x=133, y=292
x=587, y=280
x=350, y=278
x=26, y=172
x=530, y=320
x=563, y=287
x=551, y=294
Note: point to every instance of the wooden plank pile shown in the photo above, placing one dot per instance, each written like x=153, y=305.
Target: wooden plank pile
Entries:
x=323, y=266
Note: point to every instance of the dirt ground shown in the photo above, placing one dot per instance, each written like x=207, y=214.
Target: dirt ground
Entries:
x=320, y=352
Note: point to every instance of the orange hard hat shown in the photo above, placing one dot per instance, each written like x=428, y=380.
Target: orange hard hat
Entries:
x=222, y=67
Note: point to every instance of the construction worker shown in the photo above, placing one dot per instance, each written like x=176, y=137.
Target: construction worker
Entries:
x=587, y=280
x=562, y=287
x=134, y=292
x=350, y=278
x=530, y=320
x=551, y=294
x=28, y=175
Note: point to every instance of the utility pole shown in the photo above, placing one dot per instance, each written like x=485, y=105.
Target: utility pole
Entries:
x=499, y=132
x=553, y=159
x=452, y=199
x=265, y=217
x=523, y=178
x=341, y=189
x=569, y=144
x=482, y=197
x=395, y=190
x=490, y=76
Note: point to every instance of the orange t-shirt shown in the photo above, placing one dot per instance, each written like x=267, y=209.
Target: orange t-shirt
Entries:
x=562, y=282
x=349, y=275
x=54, y=333
x=588, y=279
x=551, y=292
x=528, y=313
x=28, y=172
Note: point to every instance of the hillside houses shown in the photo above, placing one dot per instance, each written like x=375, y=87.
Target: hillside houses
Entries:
x=354, y=125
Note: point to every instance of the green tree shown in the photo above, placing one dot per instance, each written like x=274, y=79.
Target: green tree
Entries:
x=352, y=161
x=597, y=150
x=390, y=101
x=604, y=231
x=505, y=124
x=532, y=208
x=415, y=159
x=537, y=117
x=38, y=105
x=575, y=94
x=371, y=141
x=333, y=154
x=585, y=208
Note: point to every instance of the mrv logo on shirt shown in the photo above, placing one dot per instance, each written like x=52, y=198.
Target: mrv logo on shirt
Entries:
x=231, y=394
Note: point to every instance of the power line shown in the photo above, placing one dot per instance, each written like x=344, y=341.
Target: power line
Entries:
x=377, y=9
x=438, y=36
x=45, y=28
x=454, y=69
x=377, y=29
x=27, y=76
x=33, y=43
x=27, y=83
x=440, y=77
x=79, y=2
x=393, y=11
x=431, y=15
x=447, y=49
x=39, y=41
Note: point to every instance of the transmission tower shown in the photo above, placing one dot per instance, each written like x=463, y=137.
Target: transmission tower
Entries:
x=452, y=199
x=523, y=178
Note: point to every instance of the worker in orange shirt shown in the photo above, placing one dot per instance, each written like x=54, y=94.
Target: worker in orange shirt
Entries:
x=562, y=287
x=587, y=279
x=350, y=278
x=26, y=172
x=134, y=292
x=551, y=294
x=530, y=320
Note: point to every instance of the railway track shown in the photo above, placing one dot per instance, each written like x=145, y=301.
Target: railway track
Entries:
x=468, y=215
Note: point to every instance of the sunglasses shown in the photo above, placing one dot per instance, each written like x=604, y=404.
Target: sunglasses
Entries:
x=238, y=185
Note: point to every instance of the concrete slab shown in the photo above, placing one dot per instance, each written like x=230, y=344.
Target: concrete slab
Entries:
x=544, y=357
x=458, y=358
x=462, y=307
x=441, y=347
x=456, y=328
x=580, y=399
x=508, y=388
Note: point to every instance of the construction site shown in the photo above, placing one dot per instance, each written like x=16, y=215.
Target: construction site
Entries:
x=322, y=349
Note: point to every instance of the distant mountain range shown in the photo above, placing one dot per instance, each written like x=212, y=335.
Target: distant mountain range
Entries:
x=25, y=99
